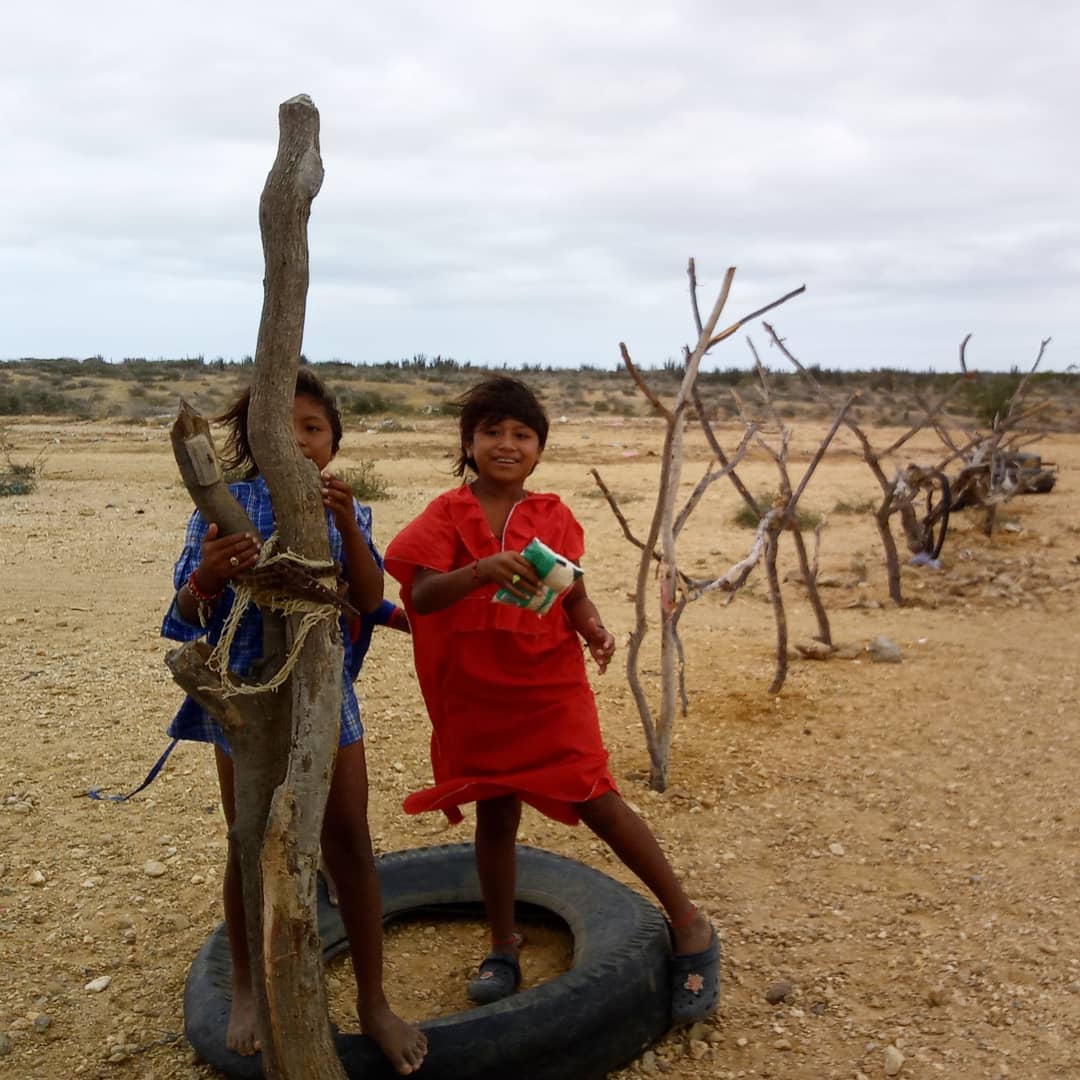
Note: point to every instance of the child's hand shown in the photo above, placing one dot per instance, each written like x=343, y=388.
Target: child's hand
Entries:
x=601, y=643
x=337, y=497
x=511, y=571
x=223, y=558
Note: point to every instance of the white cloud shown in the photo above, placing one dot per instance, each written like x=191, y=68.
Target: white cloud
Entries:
x=526, y=185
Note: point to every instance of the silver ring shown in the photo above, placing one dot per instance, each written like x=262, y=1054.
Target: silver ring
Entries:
x=234, y=561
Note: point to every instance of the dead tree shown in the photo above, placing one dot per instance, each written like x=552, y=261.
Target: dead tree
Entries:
x=894, y=496
x=808, y=571
x=659, y=548
x=283, y=743
x=992, y=474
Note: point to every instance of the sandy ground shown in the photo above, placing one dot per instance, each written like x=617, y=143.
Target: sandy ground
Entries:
x=898, y=841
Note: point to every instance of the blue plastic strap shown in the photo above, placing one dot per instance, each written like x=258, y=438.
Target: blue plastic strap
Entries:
x=151, y=776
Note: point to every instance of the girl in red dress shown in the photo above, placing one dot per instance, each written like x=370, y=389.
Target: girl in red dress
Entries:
x=512, y=713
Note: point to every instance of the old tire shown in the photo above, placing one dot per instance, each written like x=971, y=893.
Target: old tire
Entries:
x=605, y=1011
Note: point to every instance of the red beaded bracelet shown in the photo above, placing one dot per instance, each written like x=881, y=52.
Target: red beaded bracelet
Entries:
x=202, y=597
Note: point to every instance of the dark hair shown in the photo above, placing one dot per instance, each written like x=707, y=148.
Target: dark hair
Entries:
x=495, y=399
x=237, y=455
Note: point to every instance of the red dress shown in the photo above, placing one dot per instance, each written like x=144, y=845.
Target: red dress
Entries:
x=510, y=704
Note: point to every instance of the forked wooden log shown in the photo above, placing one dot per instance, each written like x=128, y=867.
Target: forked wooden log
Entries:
x=283, y=743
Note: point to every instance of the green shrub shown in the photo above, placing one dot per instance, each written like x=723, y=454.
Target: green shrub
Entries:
x=745, y=517
x=370, y=402
x=367, y=485
x=859, y=506
x=17, y=479
x=990, y=396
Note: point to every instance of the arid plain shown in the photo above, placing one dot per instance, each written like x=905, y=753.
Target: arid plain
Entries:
x=899, y=842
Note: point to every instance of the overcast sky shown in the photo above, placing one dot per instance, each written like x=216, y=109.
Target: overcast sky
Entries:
x=524, y=183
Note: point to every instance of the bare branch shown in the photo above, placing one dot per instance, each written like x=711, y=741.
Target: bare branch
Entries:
x=789, y=510
x=642, y=385
x=779, y=616
x=736, y=577
x=619, y=516
x=753, y=315
x=714, y=444
x=692, y=274
x=963, y=350
x=1021, y=390
x=711, y=476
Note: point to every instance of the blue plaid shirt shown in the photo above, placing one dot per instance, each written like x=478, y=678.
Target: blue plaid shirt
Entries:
x=192, y=721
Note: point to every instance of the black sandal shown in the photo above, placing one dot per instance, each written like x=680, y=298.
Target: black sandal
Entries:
x=499, y=977
x=695, y=983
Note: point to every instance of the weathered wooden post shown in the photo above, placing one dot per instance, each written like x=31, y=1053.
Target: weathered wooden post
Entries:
x=283, y=743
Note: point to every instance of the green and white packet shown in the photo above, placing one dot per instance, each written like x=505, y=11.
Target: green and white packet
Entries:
x=556, y=574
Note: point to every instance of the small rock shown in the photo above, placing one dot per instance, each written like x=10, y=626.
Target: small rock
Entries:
x=779, y=991
x=5, y=1044
x=95, y=986
x=153, y=868
x=814, y=650
x=884, y=651
x=894, y=1061
x=937, y=996
x=42, y=1023
x=836, y=849
x=698, y=1049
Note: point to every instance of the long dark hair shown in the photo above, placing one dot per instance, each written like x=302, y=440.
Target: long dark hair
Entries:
x=495, y=399
x=237, y=455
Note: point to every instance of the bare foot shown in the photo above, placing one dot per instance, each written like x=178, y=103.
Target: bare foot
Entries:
x=241, y=1037
x=695, y=936
x=404, y=1045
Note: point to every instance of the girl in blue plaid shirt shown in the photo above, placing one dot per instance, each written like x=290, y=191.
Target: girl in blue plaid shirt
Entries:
x=203, y=600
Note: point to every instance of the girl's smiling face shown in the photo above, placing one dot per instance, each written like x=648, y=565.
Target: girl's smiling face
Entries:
x=505, y=451
x=314, y=433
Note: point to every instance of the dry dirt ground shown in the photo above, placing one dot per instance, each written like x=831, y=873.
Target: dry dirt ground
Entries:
x=897, y=841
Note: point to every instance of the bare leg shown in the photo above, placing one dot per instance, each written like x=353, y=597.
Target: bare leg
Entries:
x=633, y=842
x=497, y=823
x=242, y=1035
x=331, y=884
x=346, y=844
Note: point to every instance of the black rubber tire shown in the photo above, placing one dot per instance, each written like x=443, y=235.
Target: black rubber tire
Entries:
x=939, y=512
x=613, y=1003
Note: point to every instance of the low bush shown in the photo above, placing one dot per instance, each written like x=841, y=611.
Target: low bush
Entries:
x=367, y=485
x=744, y=516
x=858, y=506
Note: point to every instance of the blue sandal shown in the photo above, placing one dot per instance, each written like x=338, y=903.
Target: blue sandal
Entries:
x=695, y=983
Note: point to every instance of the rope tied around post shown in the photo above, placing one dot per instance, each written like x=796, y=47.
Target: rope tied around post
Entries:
x=280, y=581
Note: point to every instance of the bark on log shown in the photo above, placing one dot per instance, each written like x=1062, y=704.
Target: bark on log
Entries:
x=258, y=728
x=298, y=1031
